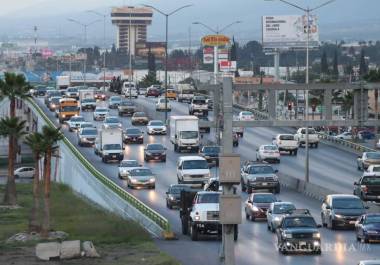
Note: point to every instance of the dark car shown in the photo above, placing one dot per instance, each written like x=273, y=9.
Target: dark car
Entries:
x=54, y=103
x=211, y=154
x=152, y=92
x=155, y=152
x=259, y=176
x=204, y=128
x=133, y=135
x=368, y=187
x=235, y=139
x=366, y=135
x=50, y=94
x=298, y=232
x=257, y=205
x=40, y=91
x=100, y=95
x=173, y=195
x=368, y=228
x=341, y=210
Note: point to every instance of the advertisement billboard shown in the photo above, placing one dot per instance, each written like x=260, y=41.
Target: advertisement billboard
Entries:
x=215, y=40
x=208, y=55
x=283, y=32
x=227, y=66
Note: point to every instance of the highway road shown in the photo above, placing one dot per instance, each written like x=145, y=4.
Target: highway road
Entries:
x=256, y=245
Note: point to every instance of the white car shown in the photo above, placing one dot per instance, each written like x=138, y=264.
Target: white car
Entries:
x=131, y=92
x=378, y=144
x=75, y=122
x=192, y=170
x=86, y=124
x=100, y=113
x=275, y=213
x=344, y=136
x=160, y=105
x=156, y=127
x=112, y=122
x=125, y=165
x=313, y=138
x=287, y=143
x=24, y=172
x=268, y=152
x=375, y=169
x=246, y=116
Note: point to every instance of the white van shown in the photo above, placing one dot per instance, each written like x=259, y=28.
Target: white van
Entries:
x=132, y=86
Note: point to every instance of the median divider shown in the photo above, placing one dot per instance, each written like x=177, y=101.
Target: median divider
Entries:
x=161, y=221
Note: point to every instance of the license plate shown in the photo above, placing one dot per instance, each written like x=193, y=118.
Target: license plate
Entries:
x=157, y=157
x=352, y=222
x=114, y=156
x=188, y=147
x=265, y=184
x=302, y=243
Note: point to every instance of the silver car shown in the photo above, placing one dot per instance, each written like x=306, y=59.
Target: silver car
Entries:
x=75, y=122
x=126, y=165
x=87, y=136
x=100, y=113
x=112, y=122
x=156, y=127
x=141, y=177
x=276, y=211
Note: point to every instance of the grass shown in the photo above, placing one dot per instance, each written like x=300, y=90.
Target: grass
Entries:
x=84, y=221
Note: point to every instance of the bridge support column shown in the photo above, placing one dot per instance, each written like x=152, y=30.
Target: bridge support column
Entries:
x=271, y=104
x=327, y=102
x=361, y=104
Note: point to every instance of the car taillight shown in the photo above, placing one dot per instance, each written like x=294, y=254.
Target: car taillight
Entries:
x=364, y=188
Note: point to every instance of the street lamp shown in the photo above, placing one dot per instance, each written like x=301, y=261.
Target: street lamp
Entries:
x=85, y=42
x=307, y=10
x=217, y=31
x=104, y=43
x=166, y=50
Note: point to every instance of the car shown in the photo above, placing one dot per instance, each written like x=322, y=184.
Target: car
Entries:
x=313, y=138
x=156, y=127
x=173, y=195
x=112, y=122
x=198, y=106
x=192, y=170
x=75, y=122
x=378, y=144
x=88, y=104
x=139, y=118
x=367, y=159
x=155, y=152
x=140, y=177
x=211, y=154
x=142, y=90
x=162, y=106
x=126, y=165
x=171, y=94
x=246, y=116
x=299, y=232
x=235, y=139
x=152, y=92
x=204, y=128
x=114, y=102
x=341, y=210
x=54, y=103
x=367, y=187
x=126, y=107
x=366, y=135
x=133, y=135
x=50, y=94
x=210, y=103
x=24, y=172
x=86, y=124
x=100, y=95
x=87, y=136
x=276, y=211
x=268, y=152
x=287, y=143
x=213, y=184
x=72, y=92
x=259, y=176
x=367, y=228
x=100, y=113
x=131, y=92
x=257, y=205
x=40, y=91
x=374, y=169
x=344, y=136
x=369, y=262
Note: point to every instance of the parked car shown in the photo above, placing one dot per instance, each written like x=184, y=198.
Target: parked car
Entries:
x=133, y=135
x=367, y=228
x=246, y=116
x=162, y=106
x=100, y=113
x=87, y=136
x=367, y=159
x=24, y=172
x=140, y=177
x=156, y=127
x=268, y=153
x=155, y=152
x=112, y=122
x=126, y=165
x=275, y=213
x=139, y=118
x=368, y=187
x=75, y=122
x=114, y=102
x=257, y=205
x=152, y=92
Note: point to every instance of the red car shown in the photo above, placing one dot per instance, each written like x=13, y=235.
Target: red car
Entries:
x=152, y=92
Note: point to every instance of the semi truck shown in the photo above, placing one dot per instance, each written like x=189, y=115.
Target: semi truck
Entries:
x=184, y=133
x=110, y=144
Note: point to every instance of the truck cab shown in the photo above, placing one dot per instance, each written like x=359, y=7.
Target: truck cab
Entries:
x=198, y=106
x=313, y=138
x=184, y=133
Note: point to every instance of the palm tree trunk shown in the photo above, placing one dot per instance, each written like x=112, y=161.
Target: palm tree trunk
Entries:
x=47, y=173
x=33, y=222
x=12, y=106
x=10, y=197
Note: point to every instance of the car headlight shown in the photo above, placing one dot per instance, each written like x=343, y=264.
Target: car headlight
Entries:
x=171, y=197
x=277, y=219
x=152, y=180
x=208, y=175
x=133, y=180
x=197, y=217
x=254, y=208
x=63, y=116
x=316, y=235
x=371, y=231
x=339, y=216
x=148, y=153
x=287, y=235
x=141, y=136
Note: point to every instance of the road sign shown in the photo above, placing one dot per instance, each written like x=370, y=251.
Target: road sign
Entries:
x=227, y=66
x=215, y=40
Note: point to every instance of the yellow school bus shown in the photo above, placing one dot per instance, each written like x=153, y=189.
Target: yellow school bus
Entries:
x=68, y=107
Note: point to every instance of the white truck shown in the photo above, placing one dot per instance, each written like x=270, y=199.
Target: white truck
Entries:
x=313, y=138
x=86, y=94
x=185, y=92
x=198, y=106
x=129, y=86
x=110, y=144
x=287, y=143
x=184, y=133
x=63, y=82
x=87, y=99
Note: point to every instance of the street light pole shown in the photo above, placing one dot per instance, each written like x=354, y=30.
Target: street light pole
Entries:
x=166, y=50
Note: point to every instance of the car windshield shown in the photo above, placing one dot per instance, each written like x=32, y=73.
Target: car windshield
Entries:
x=88, y=100
x=76, y=119
x=72, y=90
x=199, y=101
x=283, y=208
x=264, y=198
x=373, y=155
x=126, y=103
x=130, y=163
x=376, y=169
x=133, y=131
x=162, y=100
x=270, y=147
x=140, y=172
x=86, y=125
x=139, y=114
x=155, y=147
x=89, y=132
x=115, y=99
x=371, y=180
x=208, y=198
x=211, y=149
x=112, y=120
x=246, y=113
x=112, y=147
x=195, y=164
x=347, y=203
x=286, y=137
x=260, y=170
x=189, y=135
x=176, y=189
x=55, y=100
x=156, y=123
x=372, y=219
x=101, y=110
x=69, y=108
x=299, y=222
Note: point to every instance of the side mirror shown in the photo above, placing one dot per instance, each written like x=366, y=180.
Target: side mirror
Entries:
x=328, y=207
x=257, y=149
x=319, y=225
x=269, y=211
x=249, y=201
x=276, y=171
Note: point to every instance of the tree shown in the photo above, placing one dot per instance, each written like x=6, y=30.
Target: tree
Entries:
x=14, y=129
x=151, y=64
x=324, y=64
x=36, y=142
x=363, y=68
x=335, y=65
x=51, y=137
x=14, y=87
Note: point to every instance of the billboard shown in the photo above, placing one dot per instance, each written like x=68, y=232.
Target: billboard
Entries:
x=227, y=66
x=283, y=32
x=215, y=40
x=208, y=55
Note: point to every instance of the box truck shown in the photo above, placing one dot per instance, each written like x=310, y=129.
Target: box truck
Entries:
x=184, y=133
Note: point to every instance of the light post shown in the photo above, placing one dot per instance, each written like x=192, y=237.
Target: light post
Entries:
x=104, y=44
x=166, y=50
x=217, y=31
x=307, y=10
x=85, y=42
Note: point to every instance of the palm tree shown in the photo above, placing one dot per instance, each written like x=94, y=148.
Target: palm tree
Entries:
x=14, y=129
x=36, y=142
x=51, y=137
x=14, y=86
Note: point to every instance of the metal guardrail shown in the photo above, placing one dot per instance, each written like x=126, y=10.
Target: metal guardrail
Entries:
x=349, y=144
x=139, y=205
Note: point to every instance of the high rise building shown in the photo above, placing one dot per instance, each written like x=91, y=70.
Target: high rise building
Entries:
x=132, y=25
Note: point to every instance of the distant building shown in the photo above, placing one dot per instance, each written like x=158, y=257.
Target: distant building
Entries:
x=132, y=25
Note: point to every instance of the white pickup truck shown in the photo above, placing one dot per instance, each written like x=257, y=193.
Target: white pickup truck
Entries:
x=287, y=143
x=300, y=136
